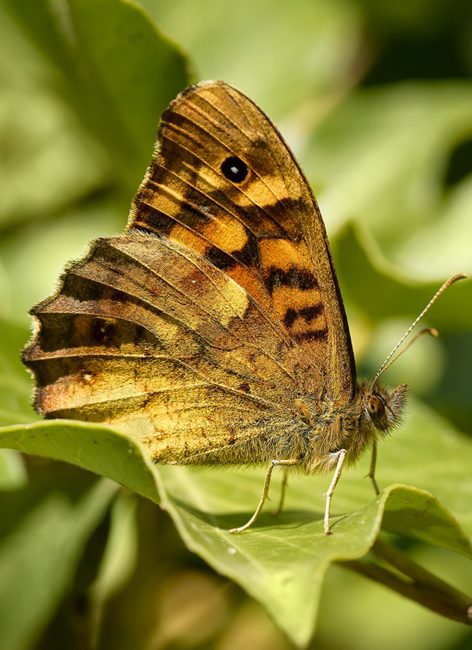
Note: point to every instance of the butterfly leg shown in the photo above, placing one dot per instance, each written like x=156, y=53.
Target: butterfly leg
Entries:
x=334, y=481
x=283, y=491
x=373, y=463
x=265, y=492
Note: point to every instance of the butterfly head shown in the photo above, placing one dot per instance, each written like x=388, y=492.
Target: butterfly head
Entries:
x=383, y=406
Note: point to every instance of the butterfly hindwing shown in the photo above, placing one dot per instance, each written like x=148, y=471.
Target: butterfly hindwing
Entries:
x=125, y=342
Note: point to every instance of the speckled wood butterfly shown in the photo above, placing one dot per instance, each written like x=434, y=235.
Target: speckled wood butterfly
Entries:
x=213, y=329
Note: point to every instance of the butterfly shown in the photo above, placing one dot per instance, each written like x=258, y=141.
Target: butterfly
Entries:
x=213, y=328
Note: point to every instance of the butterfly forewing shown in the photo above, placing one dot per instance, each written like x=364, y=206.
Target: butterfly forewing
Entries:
x=265, y=232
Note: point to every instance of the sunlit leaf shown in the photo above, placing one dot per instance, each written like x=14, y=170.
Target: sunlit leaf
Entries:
x=114, y=69
x=282, y=561
x=38, y=561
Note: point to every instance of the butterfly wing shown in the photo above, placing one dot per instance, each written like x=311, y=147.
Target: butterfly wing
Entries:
x=265, y=232
x=202, y=325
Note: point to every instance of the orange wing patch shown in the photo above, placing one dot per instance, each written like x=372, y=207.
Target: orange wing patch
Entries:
x=294, y=289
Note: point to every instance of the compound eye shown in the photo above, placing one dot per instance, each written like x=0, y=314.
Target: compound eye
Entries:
x=375, y=407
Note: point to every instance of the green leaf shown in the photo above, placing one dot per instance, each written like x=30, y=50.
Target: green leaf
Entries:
x=381, y=157
x=38, y=560
x=97, y=448
x=12, y=470
x=385, y=139
x=15, y=384
x=382, y=303
x=47, y=247
x=395, y=295
x=113, y=67
x=47, y=159
x=320, y=43
x=282, y=561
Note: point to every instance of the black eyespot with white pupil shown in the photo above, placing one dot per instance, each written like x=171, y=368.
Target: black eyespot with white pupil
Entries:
x=234, y=169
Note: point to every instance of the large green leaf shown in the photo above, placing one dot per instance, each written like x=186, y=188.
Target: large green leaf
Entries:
x=282, y=561
x=15, y=385
x=113, y=67
x=12, y=470
x=95, y=448
x=320, y=43
x=382, y=303
x=38, y=561
x=382, y=156
x=37, y=248
x=381, y=292
x=48, y=160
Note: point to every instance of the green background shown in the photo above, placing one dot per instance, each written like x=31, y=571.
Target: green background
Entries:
x=376, y=101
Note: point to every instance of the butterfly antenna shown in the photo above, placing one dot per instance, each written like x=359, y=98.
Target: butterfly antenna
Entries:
x=428, y=330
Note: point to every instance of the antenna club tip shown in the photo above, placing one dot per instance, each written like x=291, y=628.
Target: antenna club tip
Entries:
x=432, y=331
x=456, y=277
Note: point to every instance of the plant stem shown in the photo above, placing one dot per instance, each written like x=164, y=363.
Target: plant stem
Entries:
x=414, y=582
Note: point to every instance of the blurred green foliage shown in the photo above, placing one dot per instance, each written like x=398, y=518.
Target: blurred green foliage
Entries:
x=376, y=101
